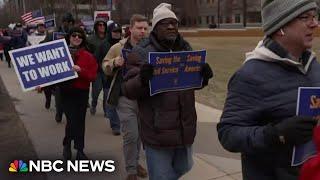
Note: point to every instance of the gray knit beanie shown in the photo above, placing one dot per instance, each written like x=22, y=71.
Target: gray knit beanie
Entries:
x=277, y=13
x=162, y=11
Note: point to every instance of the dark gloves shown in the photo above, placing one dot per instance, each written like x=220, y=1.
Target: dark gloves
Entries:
x=206, y=73
x=146, y=73
x=295, y=130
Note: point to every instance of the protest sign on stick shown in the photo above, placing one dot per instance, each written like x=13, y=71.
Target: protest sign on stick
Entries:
x=43, y=65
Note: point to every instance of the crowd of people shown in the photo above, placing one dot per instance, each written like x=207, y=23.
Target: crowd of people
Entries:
x=259, y=118
x=127, y=104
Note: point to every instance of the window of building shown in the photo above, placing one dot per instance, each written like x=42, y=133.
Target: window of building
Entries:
x=213, y=20
x=83, y=2
x=208, y=19
x=237, y=18
x=221, y=19
x=254, y=17
x=228, y=19
x=199, y=20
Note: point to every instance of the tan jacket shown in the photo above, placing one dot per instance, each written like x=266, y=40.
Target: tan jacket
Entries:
x=113, y=53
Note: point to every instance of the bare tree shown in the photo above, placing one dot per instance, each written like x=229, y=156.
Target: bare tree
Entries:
x=49, y=6
x=75, y=5
x=244, y=13
x=7, y=14
x=219, y=13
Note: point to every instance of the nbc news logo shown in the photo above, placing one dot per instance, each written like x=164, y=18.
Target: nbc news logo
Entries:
x=18, y=166
x=59, y=166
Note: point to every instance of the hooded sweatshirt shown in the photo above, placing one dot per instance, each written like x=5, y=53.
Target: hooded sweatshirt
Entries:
x=269, y=50
x=94, y=40
x=98, y=46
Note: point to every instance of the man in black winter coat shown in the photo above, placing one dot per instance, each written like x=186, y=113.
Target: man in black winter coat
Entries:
x=167, y=121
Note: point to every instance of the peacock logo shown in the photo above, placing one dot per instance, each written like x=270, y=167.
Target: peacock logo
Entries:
x=18, y=166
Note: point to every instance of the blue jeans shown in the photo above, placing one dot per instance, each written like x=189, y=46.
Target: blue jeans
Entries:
x=111, y=114
x=97, y=86
x=168, y=164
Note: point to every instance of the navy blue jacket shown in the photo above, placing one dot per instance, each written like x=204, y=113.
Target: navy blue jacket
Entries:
x=18, y=39
x=260, y=93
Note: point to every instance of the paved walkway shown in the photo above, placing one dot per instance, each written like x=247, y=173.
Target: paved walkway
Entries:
x=46, y=136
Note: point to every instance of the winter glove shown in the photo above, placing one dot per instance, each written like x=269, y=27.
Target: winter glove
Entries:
x=295, y=130
x=146, y=73
x=206, y=73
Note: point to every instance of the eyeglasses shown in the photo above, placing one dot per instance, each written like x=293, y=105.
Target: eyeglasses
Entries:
x=74, y=35
x=308, y=18
x=168, y=22
x=101, y=24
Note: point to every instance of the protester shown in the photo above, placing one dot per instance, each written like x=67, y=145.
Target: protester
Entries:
x=114, y=33
x=18, y=40
x=259, y=117
x=39, y=35
x=94, y=42
x=5, y=39
x=19, y=37
x=127, y=109
x=104, y=82
x=67, y=24
x=82, y=26
x=167, y=121
x=75, y=93
x=41, y=29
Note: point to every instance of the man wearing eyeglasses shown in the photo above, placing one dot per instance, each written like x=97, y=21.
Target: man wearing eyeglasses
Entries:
x=167, y=121
x=259, y=118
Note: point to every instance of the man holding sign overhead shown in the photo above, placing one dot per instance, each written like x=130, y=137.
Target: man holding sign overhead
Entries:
x=167, y=120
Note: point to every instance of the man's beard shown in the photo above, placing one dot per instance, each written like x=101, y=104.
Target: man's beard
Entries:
x=170, y=40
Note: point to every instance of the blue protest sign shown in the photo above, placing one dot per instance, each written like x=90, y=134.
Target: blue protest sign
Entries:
x=50, y=23
x=58, y=35
x=308, y=104
x=43, y=65
x=176, y=70
x=125, y=53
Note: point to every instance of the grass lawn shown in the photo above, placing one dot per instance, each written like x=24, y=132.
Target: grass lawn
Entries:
x=225, y=55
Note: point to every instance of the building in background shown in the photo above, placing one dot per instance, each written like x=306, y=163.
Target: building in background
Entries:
x=228, y=13
x=191, y=13
x=184, y=9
